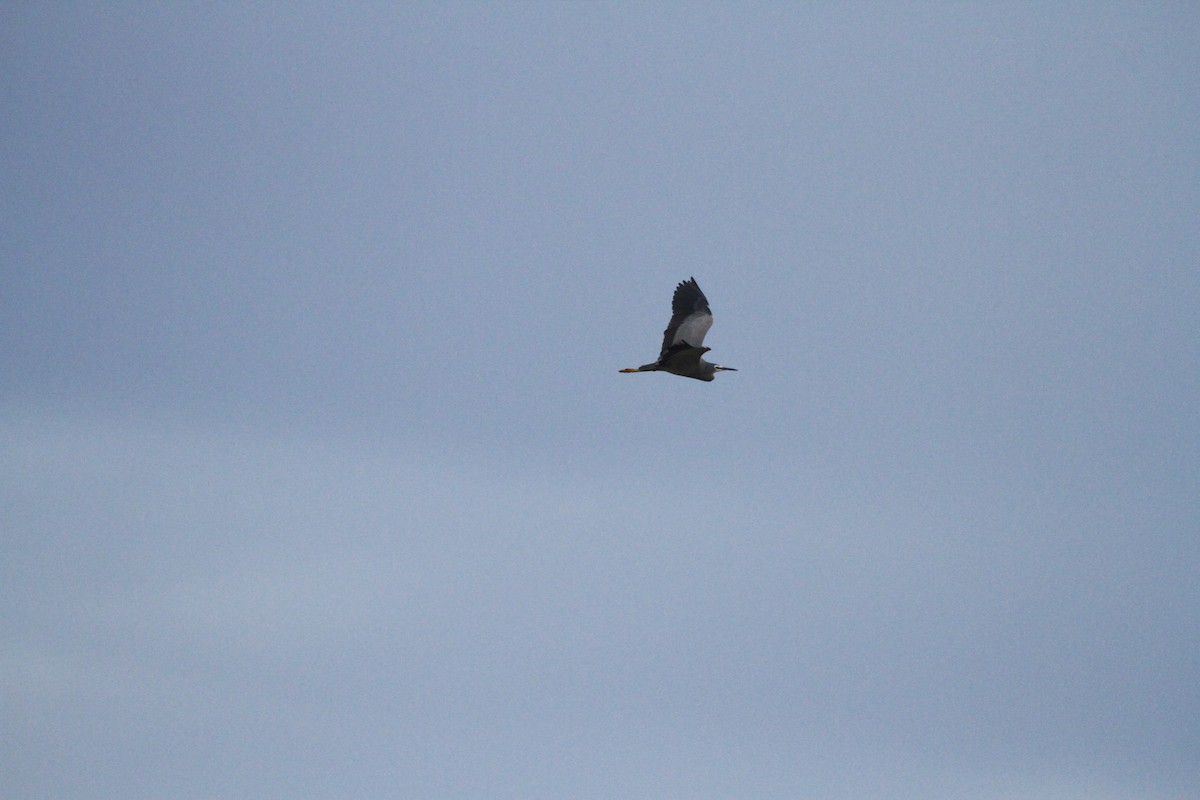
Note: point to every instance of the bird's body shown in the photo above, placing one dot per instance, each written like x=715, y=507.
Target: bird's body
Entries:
x=683, y=340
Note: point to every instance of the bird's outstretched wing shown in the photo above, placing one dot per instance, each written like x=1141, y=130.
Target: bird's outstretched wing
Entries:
x=690, y=317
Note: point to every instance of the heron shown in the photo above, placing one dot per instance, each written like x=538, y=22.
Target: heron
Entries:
x=683, y=340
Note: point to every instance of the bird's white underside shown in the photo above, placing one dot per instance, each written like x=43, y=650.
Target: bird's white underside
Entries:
x=693, y=330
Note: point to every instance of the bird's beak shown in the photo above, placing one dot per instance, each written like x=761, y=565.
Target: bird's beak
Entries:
x=726, y=369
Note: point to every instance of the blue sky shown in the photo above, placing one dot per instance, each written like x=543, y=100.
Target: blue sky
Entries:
x=318, y=479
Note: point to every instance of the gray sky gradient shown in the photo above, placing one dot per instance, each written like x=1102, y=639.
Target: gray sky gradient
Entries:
x=317, y=477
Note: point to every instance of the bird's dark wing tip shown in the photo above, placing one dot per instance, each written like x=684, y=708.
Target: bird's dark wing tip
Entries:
x=688, y=298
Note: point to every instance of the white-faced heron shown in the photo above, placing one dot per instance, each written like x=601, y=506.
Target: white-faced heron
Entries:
x=683, y=340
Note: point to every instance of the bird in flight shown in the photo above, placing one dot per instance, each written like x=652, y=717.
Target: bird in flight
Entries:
x=683, y=340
